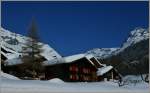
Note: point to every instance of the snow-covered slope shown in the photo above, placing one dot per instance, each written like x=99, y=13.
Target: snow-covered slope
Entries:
x=7, y=76
x=13, y=43
x=135, y=36
x=102, y=52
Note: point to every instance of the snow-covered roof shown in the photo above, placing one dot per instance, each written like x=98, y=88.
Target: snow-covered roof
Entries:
x=103, y=70
x=13, y=61
x=53, y=62
x=72, y=58
x=69, y=59
x=49, y=62
x=89, y=56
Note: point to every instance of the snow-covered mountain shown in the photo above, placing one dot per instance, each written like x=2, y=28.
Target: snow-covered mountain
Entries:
x=102, y=52
x=12, y=44
x=135, y=36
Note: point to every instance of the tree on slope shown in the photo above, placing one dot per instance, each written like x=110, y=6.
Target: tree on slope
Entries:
x=32, y=63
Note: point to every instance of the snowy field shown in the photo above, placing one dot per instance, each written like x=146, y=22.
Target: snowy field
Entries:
x=10, y=84
x=35, y=86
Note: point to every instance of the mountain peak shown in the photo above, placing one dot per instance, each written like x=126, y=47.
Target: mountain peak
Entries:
x=139, y=32
x=135, y=36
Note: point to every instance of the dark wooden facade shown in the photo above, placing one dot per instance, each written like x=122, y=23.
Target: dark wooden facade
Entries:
x=76, y=71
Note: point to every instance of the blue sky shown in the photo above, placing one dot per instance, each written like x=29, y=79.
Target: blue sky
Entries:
x=75, y=27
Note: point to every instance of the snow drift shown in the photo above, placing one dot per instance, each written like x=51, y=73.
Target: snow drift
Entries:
x=8, y=76
x=56, y=80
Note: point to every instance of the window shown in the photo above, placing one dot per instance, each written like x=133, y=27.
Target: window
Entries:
x=73, y=68
x=86, y=70
x=74, y=77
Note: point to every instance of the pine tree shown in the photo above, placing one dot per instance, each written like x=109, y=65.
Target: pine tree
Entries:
x=32, y=63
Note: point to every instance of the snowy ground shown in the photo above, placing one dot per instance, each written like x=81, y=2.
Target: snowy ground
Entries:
x=35, y=86
x=10, y=84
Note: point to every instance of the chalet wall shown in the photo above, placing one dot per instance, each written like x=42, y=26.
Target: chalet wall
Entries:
x=79, y=70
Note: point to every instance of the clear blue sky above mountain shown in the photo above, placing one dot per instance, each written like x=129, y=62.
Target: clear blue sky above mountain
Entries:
x=75, y=27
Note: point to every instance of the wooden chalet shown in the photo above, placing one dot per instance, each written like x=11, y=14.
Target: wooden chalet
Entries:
x=80, y=68
x=74, y=68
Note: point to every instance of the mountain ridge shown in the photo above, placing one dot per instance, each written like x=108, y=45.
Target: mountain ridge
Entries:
x=15, y=42
x=135, y=36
